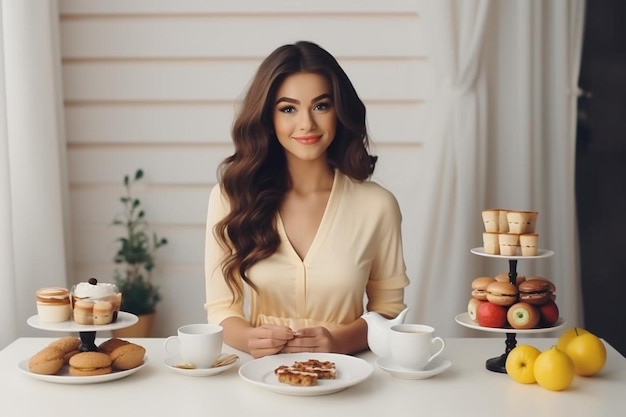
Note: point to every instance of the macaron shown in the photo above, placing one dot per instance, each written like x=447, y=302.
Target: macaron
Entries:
x=479, y=287
x=536, y=291
x=504, y=277
x=90, y=364
x=502, y=293
x=48, y=361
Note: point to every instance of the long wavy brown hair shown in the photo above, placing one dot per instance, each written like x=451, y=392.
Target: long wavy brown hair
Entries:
x=255, y=177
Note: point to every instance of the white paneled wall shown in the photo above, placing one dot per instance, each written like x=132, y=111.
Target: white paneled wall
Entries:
x=154, y=84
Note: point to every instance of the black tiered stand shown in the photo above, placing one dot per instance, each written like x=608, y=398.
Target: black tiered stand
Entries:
x=498, y=363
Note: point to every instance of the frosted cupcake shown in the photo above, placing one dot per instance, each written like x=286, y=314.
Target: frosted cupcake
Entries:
x=94, y=302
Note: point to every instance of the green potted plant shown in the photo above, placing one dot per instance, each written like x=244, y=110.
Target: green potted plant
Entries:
x=136, y=255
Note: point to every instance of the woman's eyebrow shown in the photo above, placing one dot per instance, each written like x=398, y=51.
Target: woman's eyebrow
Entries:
x=294, y=101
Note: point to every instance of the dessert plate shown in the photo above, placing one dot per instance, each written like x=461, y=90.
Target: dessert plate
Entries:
x=541, y=253
x=464, y=320
x=172, y=361
x=350, y=371
x=64, y=377
x=435, y=367
x=124, y=319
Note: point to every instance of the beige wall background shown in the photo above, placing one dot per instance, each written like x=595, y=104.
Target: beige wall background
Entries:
x=153, y=85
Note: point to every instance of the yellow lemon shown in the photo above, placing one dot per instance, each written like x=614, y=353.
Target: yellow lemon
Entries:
x=520, y=363
x=554, y=370
x=568, y=335
x=588, y=354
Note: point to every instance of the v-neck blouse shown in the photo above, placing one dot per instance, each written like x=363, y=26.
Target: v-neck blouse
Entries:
x=355, y=257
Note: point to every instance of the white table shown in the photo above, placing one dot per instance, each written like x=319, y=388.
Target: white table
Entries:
x=466, y=389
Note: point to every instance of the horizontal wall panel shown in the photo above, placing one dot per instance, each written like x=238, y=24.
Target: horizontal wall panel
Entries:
x=206, y=81
x=218, y=36
x=182, y=165
x=210, y=123
x=183, y=123
x=179, y=205
x=169, y=7
x=96, y=244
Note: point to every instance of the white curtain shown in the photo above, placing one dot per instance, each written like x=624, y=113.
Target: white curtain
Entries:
x=456, y=142
x=33, y=190
x=502, y=130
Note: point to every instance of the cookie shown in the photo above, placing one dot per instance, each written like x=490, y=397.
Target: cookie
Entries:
x=90, y=364
x=124, y=355
x=48, y=361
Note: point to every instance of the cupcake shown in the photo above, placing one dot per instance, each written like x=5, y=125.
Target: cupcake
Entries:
x=491, y=243
x=94, y=302
x=528, y=244
x=53, y=304
x=509, y=242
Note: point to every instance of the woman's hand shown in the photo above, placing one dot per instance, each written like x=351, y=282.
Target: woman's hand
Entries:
x=268, y=339
x=312, y=339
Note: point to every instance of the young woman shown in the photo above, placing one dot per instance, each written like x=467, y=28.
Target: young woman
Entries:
x=298, y=239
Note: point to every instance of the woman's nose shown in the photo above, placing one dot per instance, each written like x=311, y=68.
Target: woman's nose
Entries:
x=306, y=122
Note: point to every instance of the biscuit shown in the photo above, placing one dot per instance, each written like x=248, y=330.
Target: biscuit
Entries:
x=110, y=345
x=47, y=361
x=124, y=355
x=90, y=364
x=66, y=344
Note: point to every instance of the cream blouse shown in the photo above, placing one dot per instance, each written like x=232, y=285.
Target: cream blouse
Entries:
x=357, y=251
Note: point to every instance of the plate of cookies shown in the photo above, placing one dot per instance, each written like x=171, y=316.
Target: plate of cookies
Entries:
x=62, y=363
x=306, y=374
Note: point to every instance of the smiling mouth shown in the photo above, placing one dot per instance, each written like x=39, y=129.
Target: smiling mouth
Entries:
x=306, y=140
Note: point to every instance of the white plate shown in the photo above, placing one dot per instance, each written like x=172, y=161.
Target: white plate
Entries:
x=172, y=361
x=541, y=253
x=350, y=371
x=464, y=320
x=124, y=319
x=65, y=378
x=435, y=367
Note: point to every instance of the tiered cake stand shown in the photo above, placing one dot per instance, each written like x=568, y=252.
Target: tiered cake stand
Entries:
x=87, y=333
x=497, y=364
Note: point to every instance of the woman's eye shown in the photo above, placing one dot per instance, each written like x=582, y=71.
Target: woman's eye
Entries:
x=322, y=106
x=286, y=109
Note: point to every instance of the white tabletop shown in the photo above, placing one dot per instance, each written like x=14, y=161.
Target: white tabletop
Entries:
x=466, y=389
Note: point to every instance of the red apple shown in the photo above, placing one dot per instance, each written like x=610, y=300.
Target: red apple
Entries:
x=491, y=315
x=549, y=313
x=472, y=306
x=523, y=315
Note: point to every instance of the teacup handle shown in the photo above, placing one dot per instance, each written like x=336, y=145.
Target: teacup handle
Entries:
x=443, y=346
x=168, y=343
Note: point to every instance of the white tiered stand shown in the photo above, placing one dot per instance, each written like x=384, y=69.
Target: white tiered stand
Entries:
x=87, y=333
x=497, y=364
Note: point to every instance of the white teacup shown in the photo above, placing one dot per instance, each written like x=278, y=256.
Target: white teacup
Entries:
x=197, y=344
x=411, y=345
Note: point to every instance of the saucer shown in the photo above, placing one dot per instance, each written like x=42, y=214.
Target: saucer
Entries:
x=172, y=361
x=437, y=366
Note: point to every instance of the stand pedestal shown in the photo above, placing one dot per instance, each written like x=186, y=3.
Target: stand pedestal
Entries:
x=497, y=364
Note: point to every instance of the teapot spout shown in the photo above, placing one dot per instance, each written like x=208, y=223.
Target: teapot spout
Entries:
x=400, y=317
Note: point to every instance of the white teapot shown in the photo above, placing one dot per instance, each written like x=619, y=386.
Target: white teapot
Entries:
x=378, y=328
